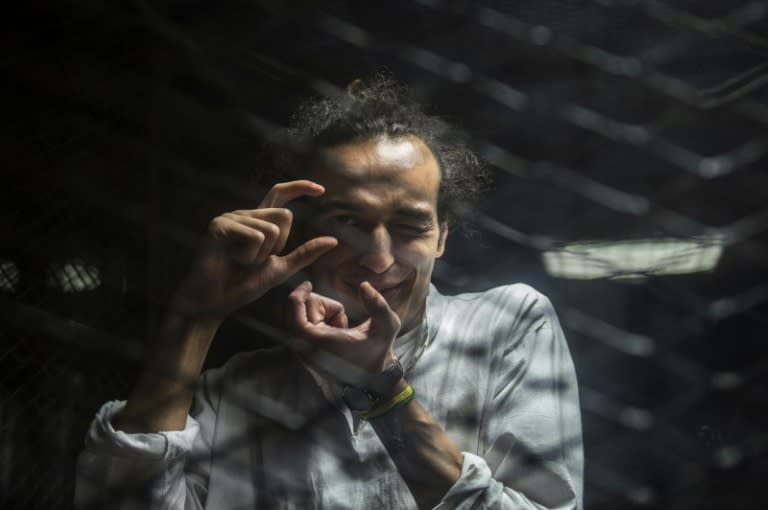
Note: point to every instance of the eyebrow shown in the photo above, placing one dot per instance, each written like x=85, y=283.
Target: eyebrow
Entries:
x=324, y=205
x=413, y=213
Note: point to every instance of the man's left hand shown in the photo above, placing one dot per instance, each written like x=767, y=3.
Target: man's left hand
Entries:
x=321, y=321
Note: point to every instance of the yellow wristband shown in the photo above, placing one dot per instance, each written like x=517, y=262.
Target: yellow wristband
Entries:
x=400, y=399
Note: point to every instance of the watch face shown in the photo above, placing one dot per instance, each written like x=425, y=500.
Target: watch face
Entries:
x=357, y=399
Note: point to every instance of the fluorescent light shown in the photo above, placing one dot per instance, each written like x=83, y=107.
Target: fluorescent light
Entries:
x=634, y=258
x=9, y=275
x=74, y=276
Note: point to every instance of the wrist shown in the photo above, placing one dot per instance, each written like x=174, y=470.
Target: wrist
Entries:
x=181, y=345
x=368, y=393
x=389, y=360
x=186, y=309
x=398, y=387
x=386, y=405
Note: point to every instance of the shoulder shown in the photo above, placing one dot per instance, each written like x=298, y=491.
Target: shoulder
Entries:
x=498, y=319
x=513, y=302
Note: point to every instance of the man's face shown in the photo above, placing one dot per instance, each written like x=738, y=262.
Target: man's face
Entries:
x=381, y=204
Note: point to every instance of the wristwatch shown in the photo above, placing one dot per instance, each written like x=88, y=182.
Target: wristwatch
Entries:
x=361, y=399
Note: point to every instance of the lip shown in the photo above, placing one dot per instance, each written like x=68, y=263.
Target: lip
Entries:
x=387, y=290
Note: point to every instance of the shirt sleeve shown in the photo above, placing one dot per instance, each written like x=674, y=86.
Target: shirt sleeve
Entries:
x=167, y=470
x=535, y=457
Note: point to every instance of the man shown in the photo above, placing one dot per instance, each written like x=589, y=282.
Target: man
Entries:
x=387, y=394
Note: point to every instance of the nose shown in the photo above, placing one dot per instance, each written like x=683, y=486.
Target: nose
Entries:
x=377, y=252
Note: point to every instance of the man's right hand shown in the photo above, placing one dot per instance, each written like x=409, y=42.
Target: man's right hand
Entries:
x=240, y=260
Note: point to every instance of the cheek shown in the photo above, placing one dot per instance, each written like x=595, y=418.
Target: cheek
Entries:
x=417, y=253
x=326, y=262
x=330, y=263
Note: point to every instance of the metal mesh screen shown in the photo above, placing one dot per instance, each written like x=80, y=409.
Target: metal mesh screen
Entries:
x=627, y=140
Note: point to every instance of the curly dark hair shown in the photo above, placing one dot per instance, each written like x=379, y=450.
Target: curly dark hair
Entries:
x=380, y=106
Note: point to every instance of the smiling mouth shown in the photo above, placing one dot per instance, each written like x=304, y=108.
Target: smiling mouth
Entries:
x=391, y=291
x=387, y=291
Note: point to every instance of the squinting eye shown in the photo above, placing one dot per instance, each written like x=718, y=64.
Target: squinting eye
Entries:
x=345, y=220
x=412, y=229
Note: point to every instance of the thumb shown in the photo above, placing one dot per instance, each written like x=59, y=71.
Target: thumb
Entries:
x=383, y=318
x=306, y=254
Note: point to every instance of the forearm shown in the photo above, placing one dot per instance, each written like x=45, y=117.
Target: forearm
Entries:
x=162, y=397
x=427, y=459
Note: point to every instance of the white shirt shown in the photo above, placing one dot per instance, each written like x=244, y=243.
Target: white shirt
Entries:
x=495, y=373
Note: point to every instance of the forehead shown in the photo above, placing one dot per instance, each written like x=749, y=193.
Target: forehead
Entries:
x=380, y=169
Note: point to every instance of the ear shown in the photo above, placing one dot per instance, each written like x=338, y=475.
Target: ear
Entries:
x=441, y=239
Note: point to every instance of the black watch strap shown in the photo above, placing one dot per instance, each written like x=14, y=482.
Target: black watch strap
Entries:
x=383, y=384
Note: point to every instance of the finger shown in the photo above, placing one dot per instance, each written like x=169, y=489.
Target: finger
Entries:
x=383, y=318
x=339, y=320
x=279, y=216
x=283, y=218
x=333, y=312
x=270, y=231
x=306, y=254
x=324, y=309
x=240, y=242
x=315, y=309
x=298, y=300
x=284, y=192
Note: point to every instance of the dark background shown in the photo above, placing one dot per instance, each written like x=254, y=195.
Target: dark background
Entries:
x=127, y=126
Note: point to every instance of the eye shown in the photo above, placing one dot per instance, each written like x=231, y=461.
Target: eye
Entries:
x=344, y=220
x=412, y=229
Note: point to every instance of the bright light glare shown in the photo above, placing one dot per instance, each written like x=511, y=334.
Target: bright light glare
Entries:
x=74, y=276
x=9, y=275
x=636, y=258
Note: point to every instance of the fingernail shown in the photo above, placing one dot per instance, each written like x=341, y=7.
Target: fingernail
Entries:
x=368, y=290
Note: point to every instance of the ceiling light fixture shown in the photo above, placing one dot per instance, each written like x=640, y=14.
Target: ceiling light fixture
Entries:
x=634, y=258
